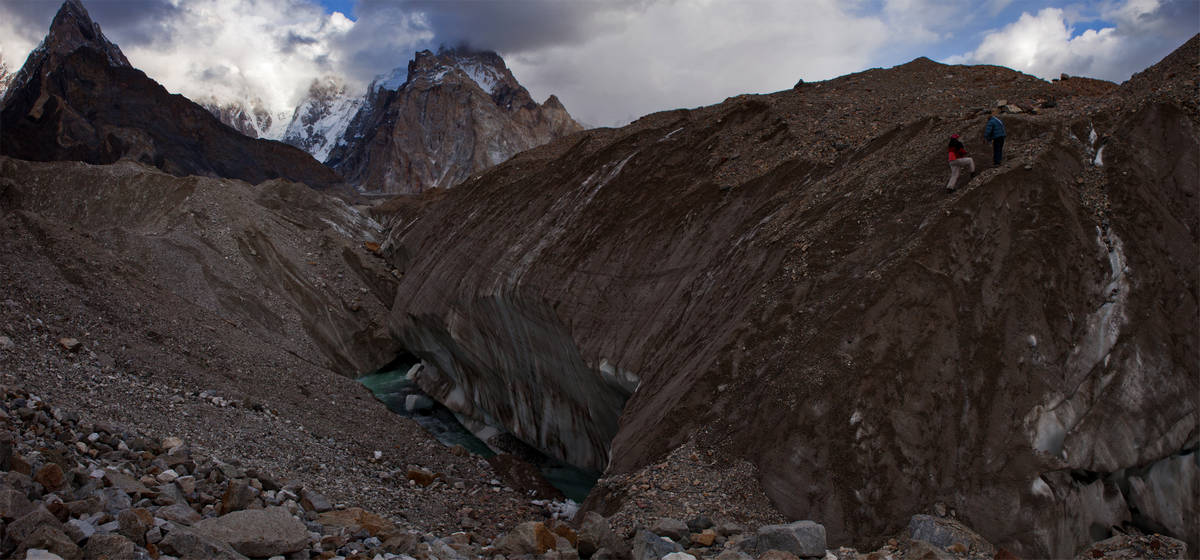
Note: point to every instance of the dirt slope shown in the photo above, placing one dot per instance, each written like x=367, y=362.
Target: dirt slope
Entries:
x=782, y=279
x=230, y=315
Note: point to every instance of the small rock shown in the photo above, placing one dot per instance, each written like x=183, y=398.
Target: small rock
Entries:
x=179, y=513
x=679, y=556
x=126, y=483
x=134, y=523
x=944, y=532
x=649, y=546
x=82, y=528
x=39, y=554
x=921, y=550
x=705, y=538
x=777, y=555
x=114, y=500
x=802, y=538
x=418, y=403
x=13, y=504
x=595, y=533
x=50, y=539
x=50, y=476
x=6, y=343
x=699, y=524
x=313, y=501
x=112, y=547
x=70, y=344
x=238, y=496
x=673, y=529
x=531, y=537
x=189, y=545
x=19, y=530
x=422, y=476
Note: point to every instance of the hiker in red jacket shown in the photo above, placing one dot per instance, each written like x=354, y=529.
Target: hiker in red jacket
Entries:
x=958, y=160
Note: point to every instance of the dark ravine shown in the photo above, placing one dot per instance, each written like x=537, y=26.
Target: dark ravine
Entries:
x=784, y=281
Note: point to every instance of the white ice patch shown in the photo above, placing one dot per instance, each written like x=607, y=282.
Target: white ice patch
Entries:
x=1040, y=488
x=1051, y=422
x=1098, y=161
x=1092, y=136
x=392, y=80
x=1033, y=341
x=856, y=417
x=670, y=134
x=483, y=75
x=556, y=221
x=618, y=376
x=565, y=509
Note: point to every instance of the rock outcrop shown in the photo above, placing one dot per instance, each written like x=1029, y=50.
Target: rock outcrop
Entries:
x=454, y=114
x=781, y=279
x=77, y=98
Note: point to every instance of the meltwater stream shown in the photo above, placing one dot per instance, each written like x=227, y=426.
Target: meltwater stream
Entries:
x=391, y=386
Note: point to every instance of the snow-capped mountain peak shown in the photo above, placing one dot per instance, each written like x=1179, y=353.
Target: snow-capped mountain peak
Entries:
x=321, y=119
x=249, y=115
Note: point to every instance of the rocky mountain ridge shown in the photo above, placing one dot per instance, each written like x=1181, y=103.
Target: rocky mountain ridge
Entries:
x=250, y=117
x=398, y=140
x=780, y=279
x=77, y=98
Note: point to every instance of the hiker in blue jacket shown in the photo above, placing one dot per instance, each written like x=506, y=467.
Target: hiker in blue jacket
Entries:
x=994, y=134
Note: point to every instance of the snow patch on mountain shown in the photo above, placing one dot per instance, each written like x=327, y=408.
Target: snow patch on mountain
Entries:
x=392, y=80
x=483, y=75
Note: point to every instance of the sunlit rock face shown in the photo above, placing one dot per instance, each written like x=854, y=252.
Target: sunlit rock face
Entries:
x=452, y=114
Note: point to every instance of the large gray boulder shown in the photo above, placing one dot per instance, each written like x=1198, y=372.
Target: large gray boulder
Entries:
x=187, y=544
x=649, y=546
x=257, y=532
x=805, y=539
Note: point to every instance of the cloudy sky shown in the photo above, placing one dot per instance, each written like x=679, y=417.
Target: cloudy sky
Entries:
x=611, y=61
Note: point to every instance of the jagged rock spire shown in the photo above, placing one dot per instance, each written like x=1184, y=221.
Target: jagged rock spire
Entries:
x=73, y=28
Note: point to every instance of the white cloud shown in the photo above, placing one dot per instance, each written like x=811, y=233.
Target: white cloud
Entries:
x=241, y=49
x=684, y=54
x=1045, y=44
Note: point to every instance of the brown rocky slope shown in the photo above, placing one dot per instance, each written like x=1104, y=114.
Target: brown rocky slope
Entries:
x=230, y=315
x=782, y=279
x=78, y=99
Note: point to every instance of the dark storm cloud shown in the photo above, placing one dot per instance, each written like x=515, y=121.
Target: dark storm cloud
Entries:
x=289, y=42
x=387, y=32
x=127, y=22
x=510, y=27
